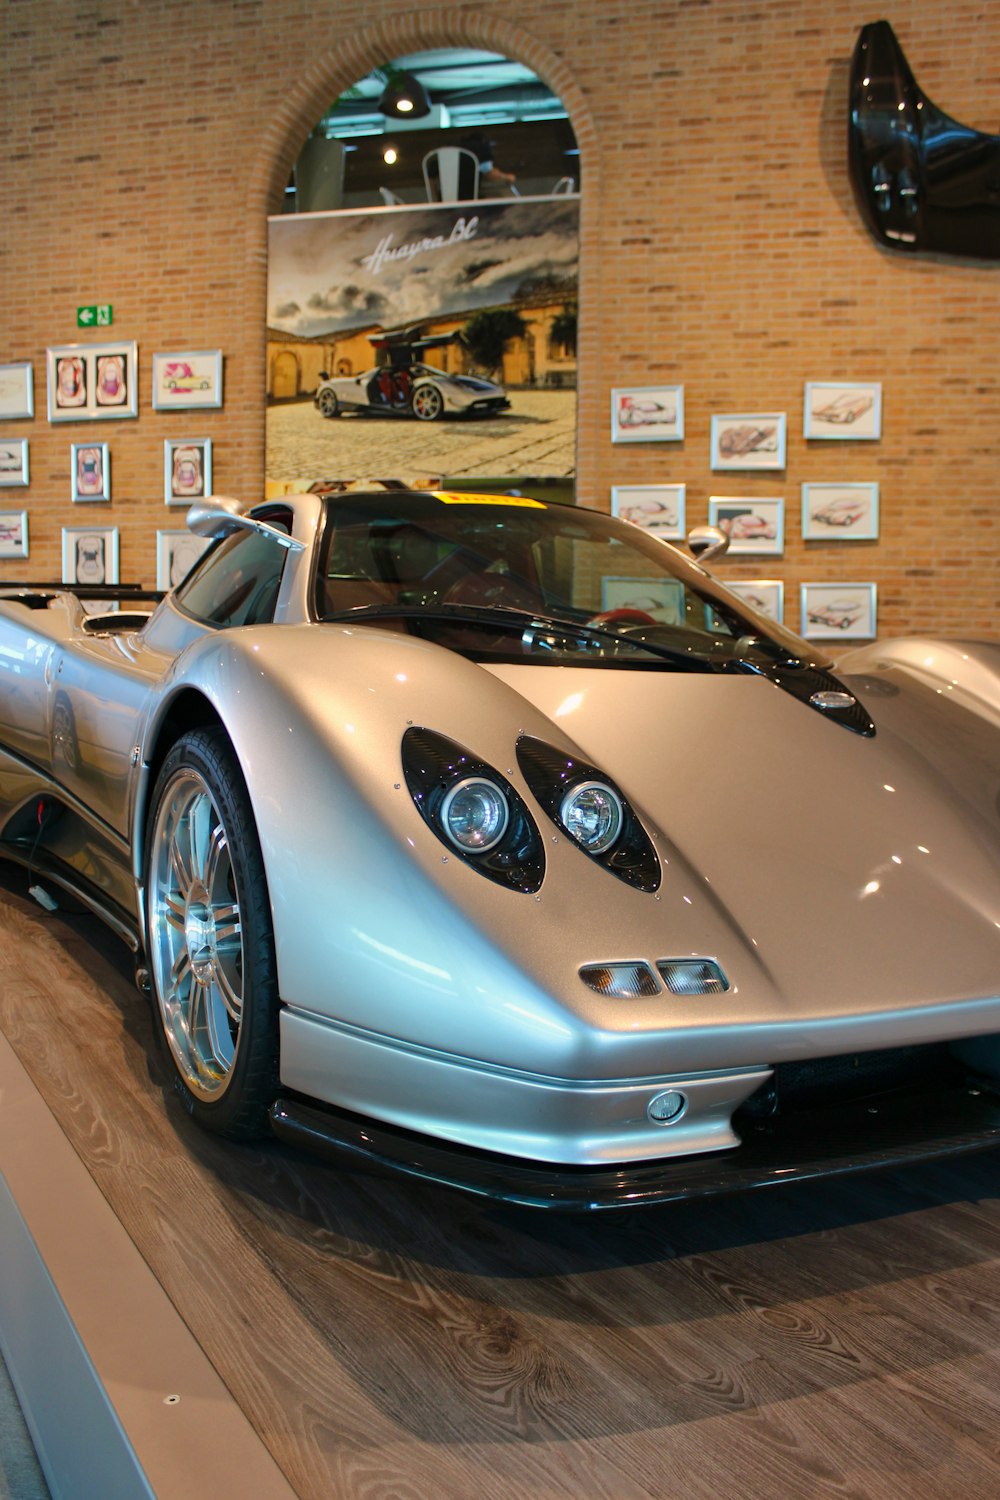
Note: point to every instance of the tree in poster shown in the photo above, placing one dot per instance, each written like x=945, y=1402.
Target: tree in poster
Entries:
x=487, y=334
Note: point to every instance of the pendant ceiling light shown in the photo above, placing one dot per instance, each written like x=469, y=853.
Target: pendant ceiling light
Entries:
x=404, y=98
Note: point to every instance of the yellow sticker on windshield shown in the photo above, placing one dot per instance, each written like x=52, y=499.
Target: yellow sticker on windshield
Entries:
x=448, y=498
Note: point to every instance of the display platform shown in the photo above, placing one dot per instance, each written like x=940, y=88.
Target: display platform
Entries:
x=332, y=1334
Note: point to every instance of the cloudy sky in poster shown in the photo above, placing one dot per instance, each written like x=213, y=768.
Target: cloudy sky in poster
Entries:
x=330, y=273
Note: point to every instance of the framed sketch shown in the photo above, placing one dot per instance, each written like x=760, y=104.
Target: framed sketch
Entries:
x=17, y=391
x=192, y=378
x=13, y=533
x=90, y=554
x=838, y=611
x=647, y=414
x=748, y=440
x=657, y=508
x=843, y=409
x=840, y=512
x=176, y=553
x=91, y=471
x=752, y=525
x=13, y=461
x=90, y=382
x=662, y=599
x=187, y=470
x=765, y=595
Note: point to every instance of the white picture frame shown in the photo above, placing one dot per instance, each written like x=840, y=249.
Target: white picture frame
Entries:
x=765, y=595
x=13, y=533
x=17, y=391
x=90, y=468
x=838, y=611
x=93, y=382
x=843, y=410
x=90, y=555
x=662, y=599
x=748, y=440
x=186, y=379
x=657, y=508
x=755, y=524
x=839, y=512
x=647, y=414
x=187, y=470
x=176, y=552
x=13, y=462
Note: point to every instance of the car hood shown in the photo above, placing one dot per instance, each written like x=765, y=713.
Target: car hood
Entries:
x=831, y=860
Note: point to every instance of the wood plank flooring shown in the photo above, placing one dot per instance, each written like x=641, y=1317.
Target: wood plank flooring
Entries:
x=394, y=1343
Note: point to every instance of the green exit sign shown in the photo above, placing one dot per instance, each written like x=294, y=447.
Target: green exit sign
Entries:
x=99, y=315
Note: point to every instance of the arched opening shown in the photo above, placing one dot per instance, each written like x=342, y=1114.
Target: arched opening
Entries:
x=441, y=291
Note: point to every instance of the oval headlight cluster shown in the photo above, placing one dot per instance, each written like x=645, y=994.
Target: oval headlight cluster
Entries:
x=592, y=813
x=473, y=810
x=475, y=814
x=590, y=810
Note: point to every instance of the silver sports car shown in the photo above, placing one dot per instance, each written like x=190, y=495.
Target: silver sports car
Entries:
x=494, y=840
x=414, y=390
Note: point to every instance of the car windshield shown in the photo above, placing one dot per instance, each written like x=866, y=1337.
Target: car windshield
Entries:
x=496, y=575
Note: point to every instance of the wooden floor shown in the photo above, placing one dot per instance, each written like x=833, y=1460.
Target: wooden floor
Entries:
x=392, y=1343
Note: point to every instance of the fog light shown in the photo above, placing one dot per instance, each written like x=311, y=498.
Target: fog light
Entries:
x=692, y=976
x=621, y=981
x=667, y=1107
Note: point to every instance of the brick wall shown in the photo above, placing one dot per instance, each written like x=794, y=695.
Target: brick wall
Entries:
x=144, y=144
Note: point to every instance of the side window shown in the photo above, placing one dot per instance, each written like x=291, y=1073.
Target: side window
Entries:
x=237, y=582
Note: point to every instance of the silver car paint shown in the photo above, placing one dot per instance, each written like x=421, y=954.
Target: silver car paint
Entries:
x=850, y=888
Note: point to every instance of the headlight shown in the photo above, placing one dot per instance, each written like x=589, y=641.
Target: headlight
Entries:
x=475, y=815
x=586, y=805
x=473, y=809
x=592, y=814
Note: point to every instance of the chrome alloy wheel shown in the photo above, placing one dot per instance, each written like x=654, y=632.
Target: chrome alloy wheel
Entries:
x=196, y=936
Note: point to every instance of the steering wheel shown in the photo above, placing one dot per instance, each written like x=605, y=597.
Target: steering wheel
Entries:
x=622, y=616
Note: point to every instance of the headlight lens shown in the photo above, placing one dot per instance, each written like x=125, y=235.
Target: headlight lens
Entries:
x=475, y=814
x=592, y=814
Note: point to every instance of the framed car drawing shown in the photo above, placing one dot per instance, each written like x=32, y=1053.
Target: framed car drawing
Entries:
x=91, y=466
x=843, y=409
x=13, y=533
x=187, y=470
x=90, y=554
x=188, y=379
x=92, y=382
x=840, y=512
x=176, y=553
x=13, y=461
x=765, y=595
x=752, y=524
x=748, y=440
x=657, y=508
x=838, y=611
x=17, y=392
x=647, y=414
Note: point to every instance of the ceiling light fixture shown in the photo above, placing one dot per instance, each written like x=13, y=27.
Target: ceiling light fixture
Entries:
x=404, y=97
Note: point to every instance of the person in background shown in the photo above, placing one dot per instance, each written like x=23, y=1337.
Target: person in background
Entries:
x=482, y=149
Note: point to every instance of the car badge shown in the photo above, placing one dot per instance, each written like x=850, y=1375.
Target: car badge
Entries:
x=830, y=700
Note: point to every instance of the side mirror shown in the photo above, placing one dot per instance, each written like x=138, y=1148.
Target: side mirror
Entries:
x=707, y=543
x=220, y=515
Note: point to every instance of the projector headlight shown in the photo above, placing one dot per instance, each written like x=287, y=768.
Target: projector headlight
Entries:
x=474, y=814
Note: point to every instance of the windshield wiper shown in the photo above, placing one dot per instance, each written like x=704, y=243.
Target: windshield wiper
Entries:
x=513, y=619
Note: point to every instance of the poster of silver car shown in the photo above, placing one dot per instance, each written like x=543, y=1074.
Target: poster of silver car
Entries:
x=647, y=414
x=838, y=611
x=657, y=508
x=13, y=461
x=17, y=392
x=13, y=533
x=843, y=409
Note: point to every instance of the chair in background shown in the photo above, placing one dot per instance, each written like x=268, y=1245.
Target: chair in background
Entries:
x=451, y=174
x=389, y=197
x=565, y=185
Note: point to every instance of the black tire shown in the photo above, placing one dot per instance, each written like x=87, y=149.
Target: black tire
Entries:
x=209, y=940
x=427, y=402
x=328, y=403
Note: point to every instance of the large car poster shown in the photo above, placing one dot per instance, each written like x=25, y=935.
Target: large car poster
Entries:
x=430, y=343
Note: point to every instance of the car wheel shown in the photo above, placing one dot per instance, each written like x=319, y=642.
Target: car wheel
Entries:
x=328, y=403
x=209, y=939
x=428, y=403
